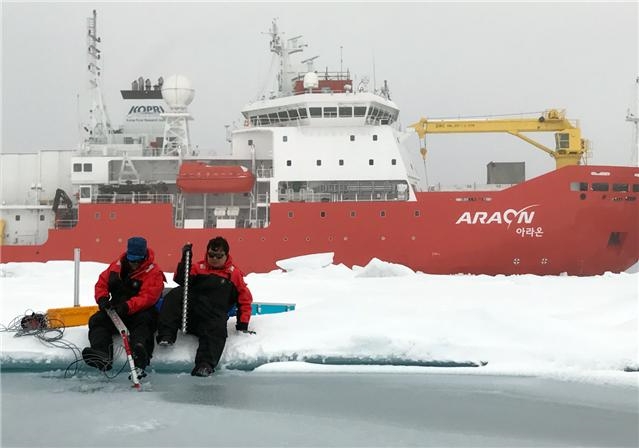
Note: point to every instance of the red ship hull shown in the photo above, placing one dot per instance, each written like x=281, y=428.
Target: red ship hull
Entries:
x=538, y=227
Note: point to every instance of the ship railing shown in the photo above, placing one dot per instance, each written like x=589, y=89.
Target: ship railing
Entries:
x=327, y=76
x=343, y=196
x=264, y=173
x=132, y=198
x=469, y=187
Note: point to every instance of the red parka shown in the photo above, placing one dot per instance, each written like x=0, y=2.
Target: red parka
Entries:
x=146, y=283
x=229, y=271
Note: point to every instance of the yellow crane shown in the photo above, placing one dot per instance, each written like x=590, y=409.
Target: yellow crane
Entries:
x=570, y=148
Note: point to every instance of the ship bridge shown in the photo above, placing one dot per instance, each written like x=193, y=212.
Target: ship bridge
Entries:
x=321, y=109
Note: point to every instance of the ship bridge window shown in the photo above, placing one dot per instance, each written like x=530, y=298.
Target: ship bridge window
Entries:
x=77, y=167
x=273, y=118
x=303, y=113
x=263, y=119
x=359, y=111
x=345, y=111
x=619, y=187
x=330, y=112
x=316, y=112
x=386, y=118
x=578, y=186
x=283, y=116
x=293, y=114
x=600, y=186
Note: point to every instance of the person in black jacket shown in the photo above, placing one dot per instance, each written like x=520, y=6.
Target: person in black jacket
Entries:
x=215, y=286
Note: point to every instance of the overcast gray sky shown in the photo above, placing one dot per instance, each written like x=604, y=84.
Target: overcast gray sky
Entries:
x=440, y=59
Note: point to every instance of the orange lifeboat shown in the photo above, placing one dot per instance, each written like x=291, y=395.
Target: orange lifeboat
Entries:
x=199, y=177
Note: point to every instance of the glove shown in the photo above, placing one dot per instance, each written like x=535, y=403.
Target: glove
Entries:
x=243, y=327
x=103, y=303
x=122, y=309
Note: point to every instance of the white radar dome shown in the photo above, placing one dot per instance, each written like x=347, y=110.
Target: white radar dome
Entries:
x=177, y=91
x=311, y=81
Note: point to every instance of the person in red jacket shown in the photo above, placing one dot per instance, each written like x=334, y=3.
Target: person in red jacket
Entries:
x=215, y=286
x=131, y=286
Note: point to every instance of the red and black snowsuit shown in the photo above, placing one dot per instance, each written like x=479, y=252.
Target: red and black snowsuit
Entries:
x=212, y=293
x=140, y=289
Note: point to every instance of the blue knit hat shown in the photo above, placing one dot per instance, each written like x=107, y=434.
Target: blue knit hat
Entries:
x=136, y=249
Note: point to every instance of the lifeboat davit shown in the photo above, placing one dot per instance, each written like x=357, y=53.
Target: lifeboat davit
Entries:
x=199, y=177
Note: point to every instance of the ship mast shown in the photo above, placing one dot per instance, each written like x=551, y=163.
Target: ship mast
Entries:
x=634, y=118
x=283, y=49
x=99, y=126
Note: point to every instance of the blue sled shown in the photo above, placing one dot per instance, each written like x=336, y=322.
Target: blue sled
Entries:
x=256, y=308
x=266, y=308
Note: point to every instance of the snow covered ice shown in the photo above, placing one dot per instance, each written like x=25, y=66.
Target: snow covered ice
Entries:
x=355, y=364
x=378, y=317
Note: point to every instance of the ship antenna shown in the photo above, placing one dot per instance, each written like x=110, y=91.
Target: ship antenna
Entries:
x=99, y=126
x=374, y=75
x=634, y=118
